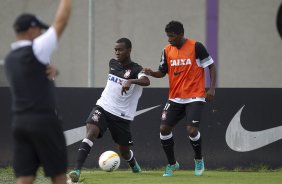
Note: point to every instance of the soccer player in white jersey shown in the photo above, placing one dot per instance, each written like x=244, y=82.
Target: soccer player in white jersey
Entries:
x=116, y=108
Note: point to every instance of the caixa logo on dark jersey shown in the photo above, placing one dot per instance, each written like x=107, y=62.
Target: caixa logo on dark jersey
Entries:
x=115, y=79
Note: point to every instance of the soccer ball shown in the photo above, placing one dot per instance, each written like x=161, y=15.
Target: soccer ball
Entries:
x=109, y=161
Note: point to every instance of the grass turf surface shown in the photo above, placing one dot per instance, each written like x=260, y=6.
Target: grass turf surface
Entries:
x=155, y=177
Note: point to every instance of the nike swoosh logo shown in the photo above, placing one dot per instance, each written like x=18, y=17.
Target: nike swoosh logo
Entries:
x=242, y=140
x=74, y=135
x=177, y=73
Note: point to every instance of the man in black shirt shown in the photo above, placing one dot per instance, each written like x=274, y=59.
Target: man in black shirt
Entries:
x=37, y=131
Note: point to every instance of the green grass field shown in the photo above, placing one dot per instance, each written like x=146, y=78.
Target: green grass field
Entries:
x=155, y=177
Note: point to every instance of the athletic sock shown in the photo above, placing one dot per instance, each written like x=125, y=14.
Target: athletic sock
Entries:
x=196, y=143
x=168, y=147
x=131, y=161
x=83, y=152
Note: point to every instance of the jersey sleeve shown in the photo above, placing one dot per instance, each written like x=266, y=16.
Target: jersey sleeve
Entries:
x=163, y=63
x=44, y=46
x=112, y=66
x=202, y=56
x=139, y=72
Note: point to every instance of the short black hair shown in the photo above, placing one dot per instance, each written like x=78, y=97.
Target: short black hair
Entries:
x=174, y=27
x=126, y=41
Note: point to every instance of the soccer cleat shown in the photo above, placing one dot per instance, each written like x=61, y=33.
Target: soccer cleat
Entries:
x=170, y=168
x=74, y=175
x=199, y=167
x=136, y=168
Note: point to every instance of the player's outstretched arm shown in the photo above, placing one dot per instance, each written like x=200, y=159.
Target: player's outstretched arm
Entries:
x=62, y=16
x=142, y=81
x=156, y=74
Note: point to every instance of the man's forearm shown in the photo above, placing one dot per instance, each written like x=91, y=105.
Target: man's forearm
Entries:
x=212, y=76
x=143, y=81
x=157, y=74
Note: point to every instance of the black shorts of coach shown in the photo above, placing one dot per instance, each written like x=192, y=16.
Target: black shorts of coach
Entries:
x=38, y=141
x=119, y=127
x=174, y=112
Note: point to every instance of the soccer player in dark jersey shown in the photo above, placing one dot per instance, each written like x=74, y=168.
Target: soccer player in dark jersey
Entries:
x=184, y=60
x=116, y=108
x=38, y=138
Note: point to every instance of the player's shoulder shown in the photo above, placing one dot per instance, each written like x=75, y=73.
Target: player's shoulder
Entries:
x=195, y=42
x=113, y=61
x=199, y=44
x=135, y=65
x=168, y=47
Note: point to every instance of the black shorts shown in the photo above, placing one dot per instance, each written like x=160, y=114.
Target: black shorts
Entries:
x=174, y=112
x=38, y=141
x=119, y=127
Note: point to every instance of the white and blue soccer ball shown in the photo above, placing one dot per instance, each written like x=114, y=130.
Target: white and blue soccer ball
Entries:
x=109, y=161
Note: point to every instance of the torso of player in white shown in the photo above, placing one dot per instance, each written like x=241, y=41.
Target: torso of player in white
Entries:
x=121, y=105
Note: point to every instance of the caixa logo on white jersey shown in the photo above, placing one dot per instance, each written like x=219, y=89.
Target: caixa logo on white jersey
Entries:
x=180, y=62
x=115, y=79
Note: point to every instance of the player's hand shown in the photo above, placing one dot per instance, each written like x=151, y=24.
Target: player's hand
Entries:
x=148, y=71
x=51, y=72
x=210, y=94
x=125, y=87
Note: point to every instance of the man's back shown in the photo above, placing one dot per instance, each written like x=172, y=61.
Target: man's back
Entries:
x=38, y=138
x=30, y=87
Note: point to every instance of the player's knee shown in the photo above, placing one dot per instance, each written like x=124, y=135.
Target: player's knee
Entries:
x=165, y=130
x=192, y=131
x=92, y=132
x=59, y=179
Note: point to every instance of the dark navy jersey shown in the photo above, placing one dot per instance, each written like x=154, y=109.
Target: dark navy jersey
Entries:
x=112, y=100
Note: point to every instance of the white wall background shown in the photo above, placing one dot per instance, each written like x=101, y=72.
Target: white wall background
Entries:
x=72, y=54
x=250, y=49
x=249, y=53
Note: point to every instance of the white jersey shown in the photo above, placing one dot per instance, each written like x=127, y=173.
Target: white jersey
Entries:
x=111, y=100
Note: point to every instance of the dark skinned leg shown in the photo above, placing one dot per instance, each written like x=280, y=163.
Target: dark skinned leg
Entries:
x=195, y=140
x=92, y=132
x=167, y=143
x=127, y=155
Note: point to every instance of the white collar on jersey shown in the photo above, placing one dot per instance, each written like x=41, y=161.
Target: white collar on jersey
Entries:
x=20, y=43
